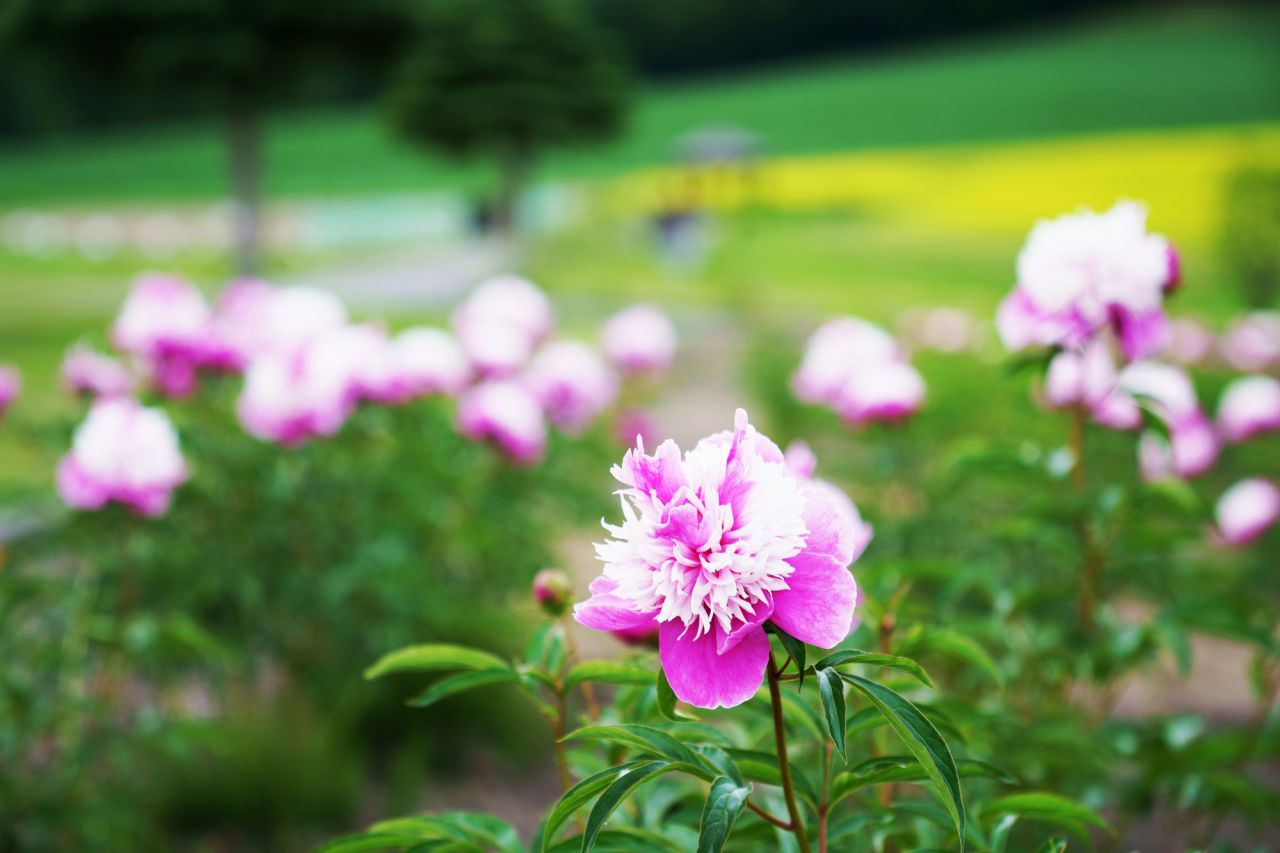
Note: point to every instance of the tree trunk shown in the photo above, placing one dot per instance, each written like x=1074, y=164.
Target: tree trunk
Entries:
x=513, y=172
x=244, y=147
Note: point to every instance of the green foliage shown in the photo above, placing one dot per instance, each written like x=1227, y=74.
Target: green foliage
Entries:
x=1251, y=234
x=507, y=80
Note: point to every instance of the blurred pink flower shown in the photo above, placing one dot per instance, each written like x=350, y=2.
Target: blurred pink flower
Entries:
x=552, y=592
x=834, y=351
x=1193, y=445
x=636, y=425
x=1246, y=510
x=714, y=544
x=290, y=396
x=166, y=324
x=125, y=453
x=95, y=374
x=800, y=460
x=507, y=413
x=858, y=368
x=1249, y=406
x=572, y=383
x=10, y=386
x=1252, y=343
x=639, y=339
x=501, y=323
x=1088, y=378
x=891, y=391
x=1190, y=342
x=423, y=361
x=1082, y=273
x=253, y=318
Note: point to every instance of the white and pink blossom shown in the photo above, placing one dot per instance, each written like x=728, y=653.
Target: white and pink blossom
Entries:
x=124, y=453
x=1246, y=510
x=573, y=384
x=639, y=339
x=1087, y=378
x=10, y=386
x=166, y=324
x=506, y=413
x=94, y=374
x=1083, y=273
x=1249, y=406
x=1252, y=343
x=714, y=544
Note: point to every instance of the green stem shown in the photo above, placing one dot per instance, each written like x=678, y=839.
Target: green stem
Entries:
x=784, y=764
x=1091, y=561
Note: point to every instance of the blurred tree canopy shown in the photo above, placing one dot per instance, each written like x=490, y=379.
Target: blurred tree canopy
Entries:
x=507, y=79
x=232, y=58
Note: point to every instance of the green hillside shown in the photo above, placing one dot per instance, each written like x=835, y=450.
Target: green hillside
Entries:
x=1193, y=67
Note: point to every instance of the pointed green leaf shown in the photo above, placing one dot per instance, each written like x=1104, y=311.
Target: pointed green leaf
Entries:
x=615, y=793
x=724, y=803
x=667, y=701
x=646, y=740
x=831, y=688
x=459, y=683
x=434, y=657
x=897, y=662
x=924, y=741
x=1072, y=816
x=796, y=649
x=575, y=798
x=609, y=672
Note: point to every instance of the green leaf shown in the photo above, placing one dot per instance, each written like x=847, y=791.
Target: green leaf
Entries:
x=368, y=841
x=459, y=683
x=575, y=798
x=906, y=665
x=617, y=791
x=763, y=767
x=924, y=741
x=905, y=768
x=1053, y=845
x=609, y=672
x=796, y=649
x=831, y=688
x=724, y=803
x=964, y=649
x=718, y=760
x=1072, y=816
x=433, y=657
x=645, y=740
x=667, y=701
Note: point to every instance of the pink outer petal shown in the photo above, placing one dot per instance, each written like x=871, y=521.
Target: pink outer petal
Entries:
x=835, y=527
x=817, y=608
x=604, y=611
x=705, y=678
x=77, y=490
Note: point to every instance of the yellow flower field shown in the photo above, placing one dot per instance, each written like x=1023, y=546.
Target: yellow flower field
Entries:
x=993, y=188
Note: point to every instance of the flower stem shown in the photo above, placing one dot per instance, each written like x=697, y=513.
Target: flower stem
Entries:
x=784, y=764
x=824, y=810
x=1091, y=561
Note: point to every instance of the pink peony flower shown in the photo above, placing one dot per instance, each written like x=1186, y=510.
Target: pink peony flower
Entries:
x=122, y=452
x=291, y=396
x=572, y=383
x=713, y=545
x=800, y=460
x=1249, y=406
x=1088, y=378
x=507, y=413
x=165, y=323
x=95, y=374
x=552, y=592
x=639, y=339
x=1084, y=272
x=1246, y=510
x=1252, y=343
x=891, y=391
x=501, y=323
x=1190, y=342
x=834, y=351
x=10, y=386
x=858, y=369
x=420, y=362
x=634, y=425
x=252, y=318
x=1193, y=445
